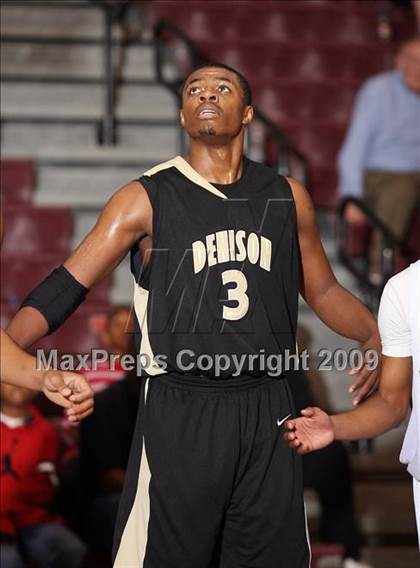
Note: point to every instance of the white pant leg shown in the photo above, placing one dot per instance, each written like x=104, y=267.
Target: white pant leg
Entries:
x=416, y=491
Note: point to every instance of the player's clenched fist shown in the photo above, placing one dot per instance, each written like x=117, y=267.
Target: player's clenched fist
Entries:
x=313, y=431
x=71, y=391
x=65, y=389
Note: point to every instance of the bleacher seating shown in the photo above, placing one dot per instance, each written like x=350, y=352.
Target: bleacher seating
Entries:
x=20, y=273
x=77, y=335
x=295, y=105
x=275, y=21
x=17, y=182
x=305, y=60
x=36, y=240
x=321, y=143
x=45, y=230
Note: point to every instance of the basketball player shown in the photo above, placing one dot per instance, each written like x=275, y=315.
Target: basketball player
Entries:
x=220, y=247
x=399, y=324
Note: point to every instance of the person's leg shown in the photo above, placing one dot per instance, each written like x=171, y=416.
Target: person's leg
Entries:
x=52, y=545
x=372, y=186
x=397, y=200
x=10, y=556
x=265, y=523
x=179, y=478
x=393, y=198
x=328, y=472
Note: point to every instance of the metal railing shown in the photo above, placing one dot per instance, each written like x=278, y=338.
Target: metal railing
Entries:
x=388, y=249
x=284, y=156
x=106, y=131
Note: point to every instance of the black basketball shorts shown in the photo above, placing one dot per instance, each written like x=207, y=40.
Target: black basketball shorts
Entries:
x=211, y=483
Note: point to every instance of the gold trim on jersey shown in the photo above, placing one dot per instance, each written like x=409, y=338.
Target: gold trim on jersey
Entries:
x=141, y=299
x=132, y=548
x=189, y=172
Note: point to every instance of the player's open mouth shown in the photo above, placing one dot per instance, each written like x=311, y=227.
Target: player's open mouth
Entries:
x=208, y=112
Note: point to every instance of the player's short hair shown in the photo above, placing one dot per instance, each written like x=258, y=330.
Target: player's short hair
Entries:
x=246, y=89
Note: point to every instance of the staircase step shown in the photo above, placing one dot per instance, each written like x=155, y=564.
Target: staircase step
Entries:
x=59, y=143
x=79, y=101
x=78, y=186
x=78, y=20
x=122, y=281
x=71, y=61
x=84, y=221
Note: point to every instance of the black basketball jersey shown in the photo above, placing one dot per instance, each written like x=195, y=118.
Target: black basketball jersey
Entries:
x=219, y=294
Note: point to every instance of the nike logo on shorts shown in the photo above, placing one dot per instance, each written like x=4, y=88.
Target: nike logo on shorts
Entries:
x=280, y=422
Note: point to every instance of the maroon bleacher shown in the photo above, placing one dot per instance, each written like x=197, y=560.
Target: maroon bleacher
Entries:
x=304, y=60
x=77, y=334
x=39, y=231
x=334, y=22
x=296, y=105
x=17, y=182
x=20, y=273
x=321, y=144
x=276, y=66
x=36, y=239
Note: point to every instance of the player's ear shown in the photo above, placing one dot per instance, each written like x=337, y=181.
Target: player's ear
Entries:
x=181, y=118
x=248, y=115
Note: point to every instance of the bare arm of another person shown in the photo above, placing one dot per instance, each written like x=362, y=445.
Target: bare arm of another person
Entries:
x=124, y=220
x=334, y=305
x=386, y=409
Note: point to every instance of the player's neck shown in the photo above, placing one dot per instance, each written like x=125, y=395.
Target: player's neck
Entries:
x=218, y=164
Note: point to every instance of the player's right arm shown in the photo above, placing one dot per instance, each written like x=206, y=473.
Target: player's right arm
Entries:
x=124, y=220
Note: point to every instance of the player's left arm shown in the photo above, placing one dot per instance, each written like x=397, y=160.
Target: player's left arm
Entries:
x=334, y=305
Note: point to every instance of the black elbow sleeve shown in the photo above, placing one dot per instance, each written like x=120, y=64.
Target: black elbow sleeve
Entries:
x=56, y=297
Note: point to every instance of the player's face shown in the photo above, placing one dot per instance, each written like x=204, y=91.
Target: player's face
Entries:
x=409, y=65
x=213, y=105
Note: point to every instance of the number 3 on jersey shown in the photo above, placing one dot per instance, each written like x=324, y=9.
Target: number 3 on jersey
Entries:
x=237, y=294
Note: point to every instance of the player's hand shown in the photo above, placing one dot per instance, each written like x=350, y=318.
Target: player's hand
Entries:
x=71, y=391
x=367, y=377
x=313, y=431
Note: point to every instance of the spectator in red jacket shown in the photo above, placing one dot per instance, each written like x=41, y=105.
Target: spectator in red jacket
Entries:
x=29, y=453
